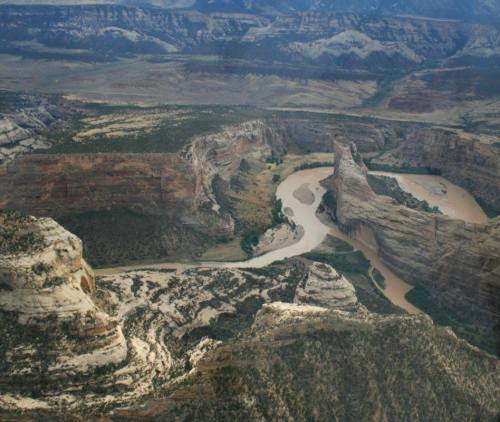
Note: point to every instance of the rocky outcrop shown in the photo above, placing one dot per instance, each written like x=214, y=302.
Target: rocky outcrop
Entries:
x=221, y=154
x=56, y=185
x=474, y=9
x=369, y=135
x=26, y=118
x=458, y=261
x=350, y=363
x=470, y=163
x=53, y=334
x=326, y=288
x=174, y=188
x=163, y=183
x=202, y=338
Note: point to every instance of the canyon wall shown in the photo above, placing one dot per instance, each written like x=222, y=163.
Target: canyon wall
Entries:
x=458, y=261
x=206, y=337
x=162, y=204
x=52, y=331
x=105, y=32
x=56, y=185
x=468, y=162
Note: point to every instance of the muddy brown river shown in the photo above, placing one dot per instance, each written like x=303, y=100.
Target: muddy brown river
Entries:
x=301, y=194
x=451, y=199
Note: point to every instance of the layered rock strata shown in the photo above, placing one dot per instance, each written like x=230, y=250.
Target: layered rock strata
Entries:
x=167, y=183
x=458, y=261
x=24, y=120
x=351, y=363
x=199, y=339
x=53, y=334
x=326, y=288
x=470, y=163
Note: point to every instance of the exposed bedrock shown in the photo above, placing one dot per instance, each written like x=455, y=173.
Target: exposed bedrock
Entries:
x=458, y=261
x=470, y=163
x=326, y=288
x=369, y=135
x=52, y=331
x=176, y=185
x=350, y=363
x=200, y=339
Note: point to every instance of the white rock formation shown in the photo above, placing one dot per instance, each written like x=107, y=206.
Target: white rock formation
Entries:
x=326, y=288
x=52, y=329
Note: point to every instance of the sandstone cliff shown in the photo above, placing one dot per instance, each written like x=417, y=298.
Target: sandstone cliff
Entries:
x=471, y=163
x=201, y=338
x=88, y=191
x=53, y=334
x=458, y=261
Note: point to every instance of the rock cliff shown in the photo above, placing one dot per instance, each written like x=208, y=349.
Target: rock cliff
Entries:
x=459, y=262
x=470, y=163
x=110, y=31
x=53, y=334
x=201, y=338
x=326, y=288
x=144, y=192
x=310, y=363
x=24, y=120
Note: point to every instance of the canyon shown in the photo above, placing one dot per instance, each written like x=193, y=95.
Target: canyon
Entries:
x=249, y=210
x=147, y=331
x=433, y=250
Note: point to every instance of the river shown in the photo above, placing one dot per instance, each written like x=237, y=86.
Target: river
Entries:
x=451, y=199
x=301, y=194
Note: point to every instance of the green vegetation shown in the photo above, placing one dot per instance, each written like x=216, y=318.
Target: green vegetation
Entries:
x=13, y=236
x=284, y=69
x=379, y=278
x=407, y=169
x=329, y=203
x=120, y=236
x=354, y=262
x=465, y=324
x=313, y=165
x=488, y=209
x=356, y=268
x=170, y=135
x=383, y=185
x=251, y=238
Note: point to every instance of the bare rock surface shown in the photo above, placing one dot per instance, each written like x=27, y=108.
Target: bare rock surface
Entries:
x=295, y=352
x=52, y=331
x=458, y=261
x=472, y=164
x=326, y=288
x=197, y=339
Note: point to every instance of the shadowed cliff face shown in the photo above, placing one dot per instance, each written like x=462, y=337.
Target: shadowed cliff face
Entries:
x=458, y=261
x=168, y=184
x=163, y=203
x=470, y=163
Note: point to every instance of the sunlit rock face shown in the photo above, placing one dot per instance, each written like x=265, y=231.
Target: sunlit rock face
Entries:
x=53, y=334
x=326, y=288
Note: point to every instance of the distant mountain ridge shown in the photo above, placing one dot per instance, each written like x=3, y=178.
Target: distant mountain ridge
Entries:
x=343, y=40
x=441, y=9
